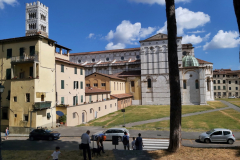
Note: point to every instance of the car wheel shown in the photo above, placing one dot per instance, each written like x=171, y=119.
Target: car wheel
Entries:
x=230, y=141
x=31, y=138
x=50, y=138
x=119, y=139
x=207, y=140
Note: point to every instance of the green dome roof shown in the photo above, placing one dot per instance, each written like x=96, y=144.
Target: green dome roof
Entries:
x=189, y=61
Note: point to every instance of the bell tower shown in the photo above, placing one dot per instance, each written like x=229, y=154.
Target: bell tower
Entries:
x=36, y=19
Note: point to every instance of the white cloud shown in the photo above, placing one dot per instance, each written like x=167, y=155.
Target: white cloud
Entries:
x=160, y=2
x=197, y=31
x=198, y=47
x=127, y=33
x=206, y=37
x=116, y=46
x=187, y=19
x=91, y=35
x=191, y=39
x=223, y=40
x=9, y=2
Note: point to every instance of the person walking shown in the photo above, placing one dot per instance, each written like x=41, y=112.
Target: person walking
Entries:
x=101, y=137
x=139, y=143
x=133, y=144
x=125, y=140
x=6, y=133
x=85, y=145
x=55, y=154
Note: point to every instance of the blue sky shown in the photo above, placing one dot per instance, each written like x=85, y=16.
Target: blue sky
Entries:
x=94, y=25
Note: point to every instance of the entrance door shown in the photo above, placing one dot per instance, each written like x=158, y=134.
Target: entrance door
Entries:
x=42, y=97
x=95, y=114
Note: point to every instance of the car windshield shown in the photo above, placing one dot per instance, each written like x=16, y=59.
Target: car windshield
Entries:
x=208, y=132
x=48, y=130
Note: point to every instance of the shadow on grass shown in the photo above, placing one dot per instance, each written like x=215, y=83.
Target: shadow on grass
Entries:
x=160, y=154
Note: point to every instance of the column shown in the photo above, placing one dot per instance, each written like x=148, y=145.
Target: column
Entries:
x=202, y=83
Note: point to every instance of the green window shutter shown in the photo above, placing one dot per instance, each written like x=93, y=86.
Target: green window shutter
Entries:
x=62, y=100
x=9, y=53
x=75, y=70
x=81, y=71
x=77, y=84
x=74, y=101
x=48, y=115
x=62, y=68
x=81, y=98
x=32, y=50
x=214, y=87
x=224, y=87
x=81, y=85
x=62, y=84
x=8, y=73
x=77, y=99
x=21, y=52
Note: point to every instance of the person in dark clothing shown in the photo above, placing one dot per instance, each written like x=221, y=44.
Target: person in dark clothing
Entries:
x=139, y=143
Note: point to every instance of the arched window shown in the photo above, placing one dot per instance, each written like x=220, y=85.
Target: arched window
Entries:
x=137, y=57
x=93, y=60
x=184, y=53
x=149, y=83
x=107, y=59
x=122, y=58
x=184, y=84
x=196, y=84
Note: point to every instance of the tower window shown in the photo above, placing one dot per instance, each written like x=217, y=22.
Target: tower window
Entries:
x=149, y=83
x=196, y=84
x=184, y=84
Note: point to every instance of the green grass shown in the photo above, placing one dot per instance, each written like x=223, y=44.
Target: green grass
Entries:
x=228, y=118
x=235, y=101
x=146, y=112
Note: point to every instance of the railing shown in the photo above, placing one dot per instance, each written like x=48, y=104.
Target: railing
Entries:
x=43, y=105
x=25, y=58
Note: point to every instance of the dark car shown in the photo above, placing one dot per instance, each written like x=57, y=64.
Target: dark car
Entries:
x=43, y=134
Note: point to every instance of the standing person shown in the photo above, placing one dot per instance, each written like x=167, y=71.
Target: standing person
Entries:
x=100, y=139
x=6, y=133
x=125, y=140
x=139, y=143
x=55, y=154
x=133, y=144
x=85, y=145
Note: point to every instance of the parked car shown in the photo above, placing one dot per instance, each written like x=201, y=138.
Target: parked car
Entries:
x=43, y=134
x=112, y=132
x=217, y=135
x=232, y=97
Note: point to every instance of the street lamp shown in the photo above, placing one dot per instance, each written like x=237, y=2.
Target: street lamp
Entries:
x=1, y=91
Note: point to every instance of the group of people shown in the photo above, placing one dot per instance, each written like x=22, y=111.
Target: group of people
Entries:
x=137, y=144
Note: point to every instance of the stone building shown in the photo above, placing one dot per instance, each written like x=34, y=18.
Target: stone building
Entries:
x=226, y=83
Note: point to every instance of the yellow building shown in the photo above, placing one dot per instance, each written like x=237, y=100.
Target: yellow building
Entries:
x=28, y=75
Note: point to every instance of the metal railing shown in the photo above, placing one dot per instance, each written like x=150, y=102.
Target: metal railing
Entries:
x=24, y=58
x=43, y=105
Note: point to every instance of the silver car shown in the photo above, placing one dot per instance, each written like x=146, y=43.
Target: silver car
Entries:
x=217, y=135
x=113, y=132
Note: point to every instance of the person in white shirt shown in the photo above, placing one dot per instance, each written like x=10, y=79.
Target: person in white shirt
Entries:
x=85, y=145
x=55, y=154
x=133, y=144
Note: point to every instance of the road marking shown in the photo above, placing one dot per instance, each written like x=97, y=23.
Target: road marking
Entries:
x=191, y=141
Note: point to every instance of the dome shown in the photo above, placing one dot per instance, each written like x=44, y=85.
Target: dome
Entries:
x=189, y=61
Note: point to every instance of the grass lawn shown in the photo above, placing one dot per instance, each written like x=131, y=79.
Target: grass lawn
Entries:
x=187, y=153
x=228, y=118
x=43, y=155
x=141, y=113
x=235, y=101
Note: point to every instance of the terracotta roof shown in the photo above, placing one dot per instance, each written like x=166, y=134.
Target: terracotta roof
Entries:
x=66, y=61
x=106, y=51
x=25, y=38
x=124, y=95
x=225, y=71
x=129, y=73
x=106, y=75
x=203, y=62
x=95, y=90
x=110, y=62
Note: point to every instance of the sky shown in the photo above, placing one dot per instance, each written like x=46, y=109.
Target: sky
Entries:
x=96, y=25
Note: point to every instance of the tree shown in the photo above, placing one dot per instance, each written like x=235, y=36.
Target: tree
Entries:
x=175, y=92
x=236, y=4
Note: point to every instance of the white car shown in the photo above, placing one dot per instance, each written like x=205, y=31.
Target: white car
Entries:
x=112, y=132
x=232, y=97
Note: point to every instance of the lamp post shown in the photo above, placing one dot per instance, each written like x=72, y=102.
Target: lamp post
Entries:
x=1, y=91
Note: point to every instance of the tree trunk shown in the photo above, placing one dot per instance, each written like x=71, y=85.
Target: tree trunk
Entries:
x=236, y=4
x=175, y=93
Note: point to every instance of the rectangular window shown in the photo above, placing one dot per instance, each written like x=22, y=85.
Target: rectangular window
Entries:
x=219, y=87
x=214, y=82
x=110, y=105
x=105, y=106
x=87, y=85
x=62, y=68
x=62, y=84
x=218, y=75
x=230, y=88
x=4, y=113
x=26, y=117
x=229, y=82
x=81, y=98
x=15, y=98
x=9, y=93
x=224, y=87
x=132, y=83
x=31, y=72
x=223, y=81
x=218, y=81
x=184, y=84
x=32, y=50
x=224, y=94
x=196, y=84
x=90, y=98
x=224, y=75
x=81, y=71
x=75, y=70
x=214, y=87
x=74, y=100
x=27, y=97
x=95, y=84
x=82, y=85
x=236, y=88
x=62, y=100
x=103, y=84
x=215, y=93
x=236, y=82
x=21, y=53
x=74, y=115
x=99, y=108
x=9, y=53
x=8, y=73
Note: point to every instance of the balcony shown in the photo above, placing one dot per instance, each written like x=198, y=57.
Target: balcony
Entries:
x=42, y=105
x=26, y=58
